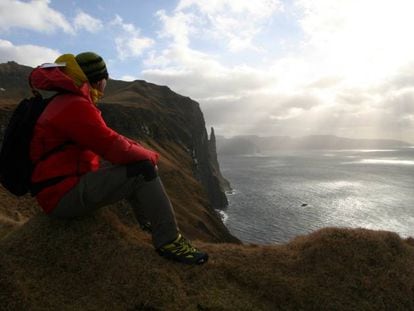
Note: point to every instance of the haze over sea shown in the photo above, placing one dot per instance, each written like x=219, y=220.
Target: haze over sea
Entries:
x=289, y=193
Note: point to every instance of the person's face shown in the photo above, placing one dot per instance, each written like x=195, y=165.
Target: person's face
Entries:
x=100, y=85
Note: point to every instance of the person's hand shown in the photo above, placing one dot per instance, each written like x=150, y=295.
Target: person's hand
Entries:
x=153, y=157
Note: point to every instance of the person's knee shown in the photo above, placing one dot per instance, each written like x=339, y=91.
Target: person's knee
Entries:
x=144, y=168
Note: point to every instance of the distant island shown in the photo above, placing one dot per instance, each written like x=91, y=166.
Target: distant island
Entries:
x=252, y=144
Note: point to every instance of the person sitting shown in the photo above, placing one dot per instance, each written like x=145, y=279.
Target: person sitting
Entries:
x=70, y=137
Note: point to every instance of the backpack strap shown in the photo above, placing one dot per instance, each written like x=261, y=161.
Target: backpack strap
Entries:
x=37, y=187
x=52, y=151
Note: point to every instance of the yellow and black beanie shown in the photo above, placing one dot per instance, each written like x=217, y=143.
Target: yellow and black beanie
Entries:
x=93, y=66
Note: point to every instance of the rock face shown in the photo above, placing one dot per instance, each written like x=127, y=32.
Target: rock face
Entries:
x=164, y=116
x=167, y=122
x=224, y=184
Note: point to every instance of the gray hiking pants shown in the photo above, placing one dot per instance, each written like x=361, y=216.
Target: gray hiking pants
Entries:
x=139, y=185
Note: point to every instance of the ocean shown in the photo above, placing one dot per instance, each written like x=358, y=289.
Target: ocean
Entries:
x=279, y=196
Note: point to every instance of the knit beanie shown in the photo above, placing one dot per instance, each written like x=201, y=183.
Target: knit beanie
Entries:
x=93, y=66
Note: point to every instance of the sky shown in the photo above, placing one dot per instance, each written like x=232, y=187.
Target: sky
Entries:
x=262, y=67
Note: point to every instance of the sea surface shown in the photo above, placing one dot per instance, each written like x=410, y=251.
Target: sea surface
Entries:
x=279, y=196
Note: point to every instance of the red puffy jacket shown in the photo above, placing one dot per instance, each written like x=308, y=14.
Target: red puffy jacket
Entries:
x=73, y=117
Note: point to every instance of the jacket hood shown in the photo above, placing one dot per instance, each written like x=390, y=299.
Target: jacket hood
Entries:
x=54, y=79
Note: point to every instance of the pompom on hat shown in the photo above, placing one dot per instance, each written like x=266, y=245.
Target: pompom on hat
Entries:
x=93, y=66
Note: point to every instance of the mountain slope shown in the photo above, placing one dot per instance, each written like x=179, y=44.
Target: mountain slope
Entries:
x=12, y=74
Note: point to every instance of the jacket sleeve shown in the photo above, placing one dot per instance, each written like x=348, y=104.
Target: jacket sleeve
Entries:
x=82, y=123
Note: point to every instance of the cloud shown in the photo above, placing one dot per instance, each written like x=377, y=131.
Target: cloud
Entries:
x=363, y=41
x=128, y=78
x=235, y=22
x=349, y=72
x=257, y=9
x=225, y=92
x=197, y=73
x=34, y=15
x=186, y=68
x=30, y=55
x=178, y=26
x=87, y=22
x=130, y=43
x=401, y=102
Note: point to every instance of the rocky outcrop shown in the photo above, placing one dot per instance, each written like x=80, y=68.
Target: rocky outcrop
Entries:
x=212, y=144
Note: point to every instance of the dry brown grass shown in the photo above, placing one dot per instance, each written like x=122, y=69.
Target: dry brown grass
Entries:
x=99, y=263
x=14, y=211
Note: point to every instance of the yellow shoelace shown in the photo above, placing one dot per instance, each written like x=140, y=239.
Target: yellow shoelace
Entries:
x=180, y=247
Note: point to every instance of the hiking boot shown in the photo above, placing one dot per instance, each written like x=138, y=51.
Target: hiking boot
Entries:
x=181, y=250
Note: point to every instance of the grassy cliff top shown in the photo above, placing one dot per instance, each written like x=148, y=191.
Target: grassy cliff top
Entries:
x=100, y=263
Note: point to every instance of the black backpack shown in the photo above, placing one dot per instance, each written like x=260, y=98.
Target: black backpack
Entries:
x=15, y=165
